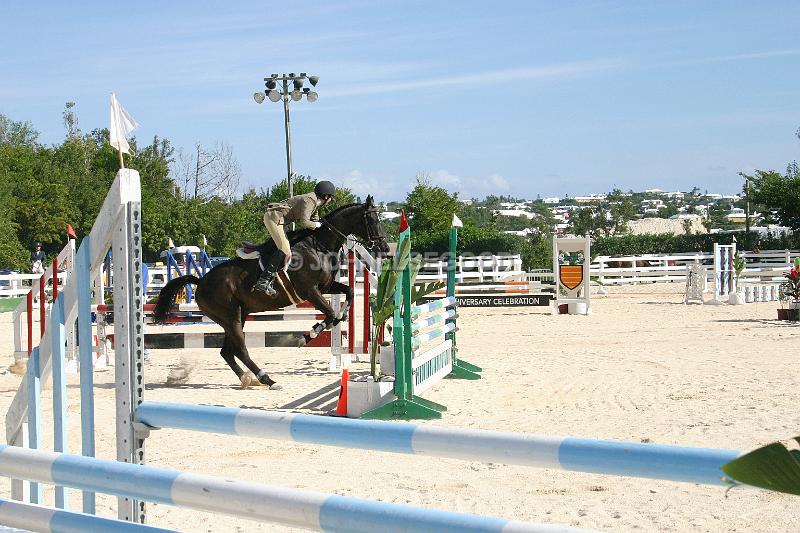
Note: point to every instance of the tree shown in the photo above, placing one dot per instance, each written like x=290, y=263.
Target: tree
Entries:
x=778, y=195
x=16, y=133
x=431, y=208
x=605, y=219
x=208, y=173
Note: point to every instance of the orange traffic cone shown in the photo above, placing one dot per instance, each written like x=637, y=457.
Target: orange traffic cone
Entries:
x=341, y=407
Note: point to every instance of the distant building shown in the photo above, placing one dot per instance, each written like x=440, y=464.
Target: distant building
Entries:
x=738, y=216
x=551, y=201
x=514, y=213
x=522, y=233
x=389, y=215
x=591, y=199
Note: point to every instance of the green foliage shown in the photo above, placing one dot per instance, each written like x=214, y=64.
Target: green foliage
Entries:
x=778, y=195
x=772, y=467
x=430, y=208
x=382, y=303
x=42, y=189
x=536, y=250
x=604, y=219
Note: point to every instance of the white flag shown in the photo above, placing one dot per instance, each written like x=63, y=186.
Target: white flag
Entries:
x=457, y=222
x=170, y=244
x=121, y=125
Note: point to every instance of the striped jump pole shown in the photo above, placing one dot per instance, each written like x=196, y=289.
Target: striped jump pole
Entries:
x=30, y=517
x=655, y=461
x=266, y=503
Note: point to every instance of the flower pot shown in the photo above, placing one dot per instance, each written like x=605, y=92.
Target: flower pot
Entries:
x=576, y=308
x=387, y=360
x=793, y=314
x=783, y=314
x=735, y=299
x=363, y=396
x=563, y=309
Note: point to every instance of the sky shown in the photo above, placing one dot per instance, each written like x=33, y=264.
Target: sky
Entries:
x=517, y=98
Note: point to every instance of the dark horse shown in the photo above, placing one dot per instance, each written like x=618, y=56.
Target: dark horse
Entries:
x=226, y=293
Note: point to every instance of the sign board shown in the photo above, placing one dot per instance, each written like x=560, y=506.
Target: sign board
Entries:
x=571, y=260
x=504, y=300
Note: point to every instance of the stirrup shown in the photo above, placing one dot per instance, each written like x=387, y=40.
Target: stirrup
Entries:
x=265, y=286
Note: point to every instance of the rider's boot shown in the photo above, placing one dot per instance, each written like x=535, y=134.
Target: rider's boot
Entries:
x=267, y=278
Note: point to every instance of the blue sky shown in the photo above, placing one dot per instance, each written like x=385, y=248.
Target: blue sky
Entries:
x=520, y=98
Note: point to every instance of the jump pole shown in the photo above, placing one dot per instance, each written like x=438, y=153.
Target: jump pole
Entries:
x=266, y=503
x=608, y=457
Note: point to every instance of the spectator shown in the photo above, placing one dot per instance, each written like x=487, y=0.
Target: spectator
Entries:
x=38, y=259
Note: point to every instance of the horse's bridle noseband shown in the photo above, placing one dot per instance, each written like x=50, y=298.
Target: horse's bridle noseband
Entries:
x=373, y=237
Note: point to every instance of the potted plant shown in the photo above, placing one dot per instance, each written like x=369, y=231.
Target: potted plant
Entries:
x=783, y=297
x=736, y=297
x=791, y=289
x=377, y=388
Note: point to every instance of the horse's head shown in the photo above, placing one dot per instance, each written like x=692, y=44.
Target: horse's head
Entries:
x=360, y=221
x=374, y=236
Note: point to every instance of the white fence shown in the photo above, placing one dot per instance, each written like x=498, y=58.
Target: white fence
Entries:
x=770, y=265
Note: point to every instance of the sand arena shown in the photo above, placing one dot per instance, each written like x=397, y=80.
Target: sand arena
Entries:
x=643, y=367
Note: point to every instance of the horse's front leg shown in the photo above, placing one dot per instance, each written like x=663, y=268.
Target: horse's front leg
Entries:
x=321, y=304
x=341, y=288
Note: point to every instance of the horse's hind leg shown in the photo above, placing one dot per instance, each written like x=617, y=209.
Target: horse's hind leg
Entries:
x=230, y=357
x=239, y=348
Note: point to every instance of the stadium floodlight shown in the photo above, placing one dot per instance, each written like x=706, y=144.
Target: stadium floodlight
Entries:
x=275, y=93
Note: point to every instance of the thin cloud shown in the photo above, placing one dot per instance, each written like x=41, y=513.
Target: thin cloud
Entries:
x=566, y=70
x=735, y=57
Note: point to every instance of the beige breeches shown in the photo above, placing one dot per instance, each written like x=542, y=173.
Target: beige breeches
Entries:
x=273, y=220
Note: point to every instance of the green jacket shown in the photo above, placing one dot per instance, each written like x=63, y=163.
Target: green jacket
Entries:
x=302, y=209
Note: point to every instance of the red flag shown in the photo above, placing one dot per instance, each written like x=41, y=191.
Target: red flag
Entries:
x=403, y=221
x=71, y=232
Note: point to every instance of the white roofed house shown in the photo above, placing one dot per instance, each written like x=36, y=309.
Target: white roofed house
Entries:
x=388, y=215
x=514, y=213
x=737, y=216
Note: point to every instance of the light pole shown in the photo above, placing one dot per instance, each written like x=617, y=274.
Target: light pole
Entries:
x=746, y=203
x=275, y=94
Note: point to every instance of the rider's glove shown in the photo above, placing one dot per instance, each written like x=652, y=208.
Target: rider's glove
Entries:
x=317, y=225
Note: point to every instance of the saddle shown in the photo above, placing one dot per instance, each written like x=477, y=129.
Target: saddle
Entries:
x=262, y=252
x=251, y=250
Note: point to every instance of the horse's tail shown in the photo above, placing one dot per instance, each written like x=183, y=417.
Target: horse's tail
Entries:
x=166, y=298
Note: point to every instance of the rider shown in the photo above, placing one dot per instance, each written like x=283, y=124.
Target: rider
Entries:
x=302, y=209
x=38, y=259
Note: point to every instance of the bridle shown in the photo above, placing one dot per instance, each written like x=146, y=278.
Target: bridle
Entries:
x=373, y=235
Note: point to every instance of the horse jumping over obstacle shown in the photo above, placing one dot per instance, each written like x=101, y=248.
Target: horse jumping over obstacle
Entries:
x=225, y=294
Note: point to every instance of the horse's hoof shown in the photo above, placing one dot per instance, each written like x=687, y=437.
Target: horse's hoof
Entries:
x=275, y=386
x=246, y=380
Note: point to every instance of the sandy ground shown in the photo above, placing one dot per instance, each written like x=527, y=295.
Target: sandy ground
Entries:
x=642, y=367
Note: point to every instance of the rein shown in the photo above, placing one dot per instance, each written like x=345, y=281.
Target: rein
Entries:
x=371, y=240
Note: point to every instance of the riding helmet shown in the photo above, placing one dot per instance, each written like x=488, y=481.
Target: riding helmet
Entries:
x=324, y=188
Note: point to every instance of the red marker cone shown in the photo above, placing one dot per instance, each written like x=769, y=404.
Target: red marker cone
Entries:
x=341, y=407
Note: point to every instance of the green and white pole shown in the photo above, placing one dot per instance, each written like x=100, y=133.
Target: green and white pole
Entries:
x=461, y=369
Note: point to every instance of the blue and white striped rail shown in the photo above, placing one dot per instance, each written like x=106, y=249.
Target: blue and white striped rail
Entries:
x=421, y=338
x=422, y=323
x=293, y=507
x=417, y=310
x=656, y=461
x=30, y=517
